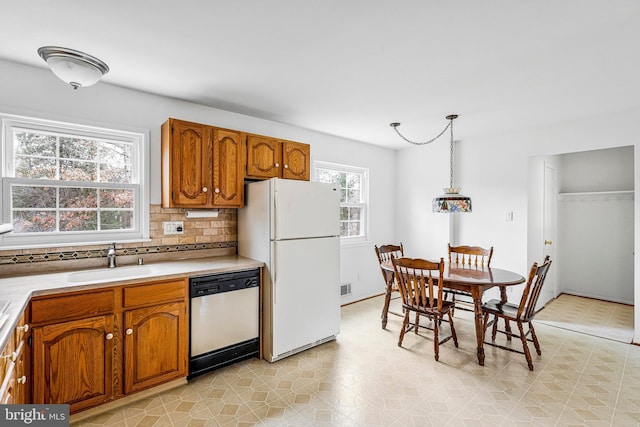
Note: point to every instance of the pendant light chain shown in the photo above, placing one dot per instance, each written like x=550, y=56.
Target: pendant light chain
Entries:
x=451, y=155
x=395, y=127
x=451, y=201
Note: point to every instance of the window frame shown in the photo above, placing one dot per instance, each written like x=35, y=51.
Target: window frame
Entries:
x=364, y=196
x=139, y=140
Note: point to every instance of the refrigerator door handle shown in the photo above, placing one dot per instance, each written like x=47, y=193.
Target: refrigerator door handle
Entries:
x=275, y=272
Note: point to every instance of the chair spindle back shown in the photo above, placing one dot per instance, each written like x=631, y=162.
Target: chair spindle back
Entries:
x=416, y=281
x=384, y=254
x=475, y=256
x=532, y=289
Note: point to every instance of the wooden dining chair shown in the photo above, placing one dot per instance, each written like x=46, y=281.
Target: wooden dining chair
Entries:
x=522, y=313
x=472, y=256
x=384, y=254
x=420, y=295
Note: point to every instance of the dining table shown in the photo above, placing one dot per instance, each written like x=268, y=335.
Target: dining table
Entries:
x=476, y=280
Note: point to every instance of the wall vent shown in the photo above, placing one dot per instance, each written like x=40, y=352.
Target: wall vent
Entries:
x=345, y=289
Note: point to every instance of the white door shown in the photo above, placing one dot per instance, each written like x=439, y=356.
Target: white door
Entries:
x=304, y=209
x=305, y=292
x=549, y=290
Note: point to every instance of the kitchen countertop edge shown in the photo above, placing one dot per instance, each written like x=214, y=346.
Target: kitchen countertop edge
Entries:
x=20, y=289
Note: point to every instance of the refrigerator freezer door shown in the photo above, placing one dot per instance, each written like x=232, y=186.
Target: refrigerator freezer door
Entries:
x=304, y=209
x=305, y=293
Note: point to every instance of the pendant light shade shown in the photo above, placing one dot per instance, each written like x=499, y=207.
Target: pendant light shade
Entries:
x=451, y=201
x=72, y=66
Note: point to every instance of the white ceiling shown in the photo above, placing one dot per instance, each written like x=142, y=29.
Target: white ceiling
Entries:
x=350, y=67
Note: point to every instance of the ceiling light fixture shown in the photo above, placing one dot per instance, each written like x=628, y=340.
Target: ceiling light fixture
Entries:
x=451, y=200
x=72, y=66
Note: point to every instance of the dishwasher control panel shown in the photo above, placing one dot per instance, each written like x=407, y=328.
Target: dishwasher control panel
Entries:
x=223, y=282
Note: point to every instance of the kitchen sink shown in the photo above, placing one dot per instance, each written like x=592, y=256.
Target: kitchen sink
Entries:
x=106, y=274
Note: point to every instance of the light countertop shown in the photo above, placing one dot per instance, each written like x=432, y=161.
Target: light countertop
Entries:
x=19, y=290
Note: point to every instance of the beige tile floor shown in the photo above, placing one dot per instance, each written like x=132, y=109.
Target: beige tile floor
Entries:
x=364, y=379
x=590, y=316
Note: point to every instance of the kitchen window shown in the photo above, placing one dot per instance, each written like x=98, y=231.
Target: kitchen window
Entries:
x=353, y=182
x=64, y=183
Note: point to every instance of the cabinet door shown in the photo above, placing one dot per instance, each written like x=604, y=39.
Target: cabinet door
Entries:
x=263, y=157
x=156, y=345
x=295, y=160
x=228, y=169
x=73, y=361
x=7, y=375
x=190, y=165
x=22, y=374
x=8, y=386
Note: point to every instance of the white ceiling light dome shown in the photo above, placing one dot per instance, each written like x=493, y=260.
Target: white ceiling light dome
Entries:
x=72, y=66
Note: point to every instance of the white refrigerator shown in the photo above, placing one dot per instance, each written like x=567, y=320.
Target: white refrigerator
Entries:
x=293, y=227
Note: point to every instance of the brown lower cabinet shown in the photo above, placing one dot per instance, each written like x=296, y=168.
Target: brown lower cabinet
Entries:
x=93, y=347
x=72, y=362
x=154, y=351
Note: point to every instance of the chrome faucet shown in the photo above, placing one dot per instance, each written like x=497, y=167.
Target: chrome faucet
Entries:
x=111, y=255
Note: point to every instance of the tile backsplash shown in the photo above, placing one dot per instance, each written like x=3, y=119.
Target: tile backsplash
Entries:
x=202, y=237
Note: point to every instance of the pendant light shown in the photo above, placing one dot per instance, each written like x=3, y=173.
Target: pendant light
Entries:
x=72, y=66
x=451, y=201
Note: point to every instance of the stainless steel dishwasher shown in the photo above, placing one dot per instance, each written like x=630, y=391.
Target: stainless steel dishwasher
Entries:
x=224, y=319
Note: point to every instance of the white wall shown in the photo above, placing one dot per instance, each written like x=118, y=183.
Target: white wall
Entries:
x=37, y=92
x=493, y=171
x=595, y=234
x=596, y=170
x=596, y=225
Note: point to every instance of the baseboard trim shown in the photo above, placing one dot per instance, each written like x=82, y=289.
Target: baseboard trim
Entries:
x=91, y=412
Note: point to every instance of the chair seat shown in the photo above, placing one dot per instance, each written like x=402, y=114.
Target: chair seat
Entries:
x=457, y=292
x=495, y=306
x=446, y=306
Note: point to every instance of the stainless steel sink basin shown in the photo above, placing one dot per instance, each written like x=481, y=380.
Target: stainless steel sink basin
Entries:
x=106, y=274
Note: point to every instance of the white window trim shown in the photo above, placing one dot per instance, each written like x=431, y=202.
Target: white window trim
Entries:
x=140, y=140
x=350, y=240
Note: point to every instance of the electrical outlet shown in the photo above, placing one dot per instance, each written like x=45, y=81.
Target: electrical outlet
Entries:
x=173, y=227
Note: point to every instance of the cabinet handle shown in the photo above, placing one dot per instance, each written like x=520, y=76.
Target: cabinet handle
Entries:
x=22, y=380
x=129, y=331
x=548, y=242
x=277, y=165
x=217, y=190
x=286, y=166
x=109, y=336
x=205, y=189
x=24, y=328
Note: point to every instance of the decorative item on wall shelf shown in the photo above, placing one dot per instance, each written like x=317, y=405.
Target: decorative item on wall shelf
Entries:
x=72, y=66
x=451, y=200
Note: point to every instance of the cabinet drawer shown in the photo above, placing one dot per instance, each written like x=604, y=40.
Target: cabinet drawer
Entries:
x=86, y=304
x=155, y=293
x=5, y=359
x=21, y=328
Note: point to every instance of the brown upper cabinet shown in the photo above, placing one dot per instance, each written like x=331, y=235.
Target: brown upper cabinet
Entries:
x=269, y=157
x=202, y=166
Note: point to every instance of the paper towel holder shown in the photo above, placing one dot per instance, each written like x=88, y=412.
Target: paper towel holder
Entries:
x=201, y=213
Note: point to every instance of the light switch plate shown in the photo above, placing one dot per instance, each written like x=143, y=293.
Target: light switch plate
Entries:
x=508, y=216
x=173, y=227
